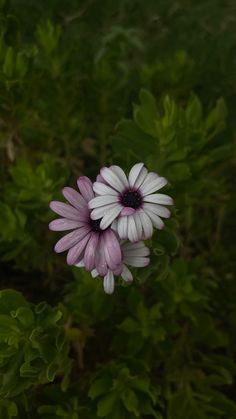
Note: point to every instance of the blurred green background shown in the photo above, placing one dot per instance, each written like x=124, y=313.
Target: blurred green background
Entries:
x=85, y=84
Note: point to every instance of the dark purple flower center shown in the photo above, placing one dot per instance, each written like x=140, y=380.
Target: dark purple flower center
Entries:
x=131, y=199
x=95, y=224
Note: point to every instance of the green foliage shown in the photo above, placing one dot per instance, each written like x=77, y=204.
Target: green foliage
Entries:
x=87, y=84
x=32, y=344
x=121, y=394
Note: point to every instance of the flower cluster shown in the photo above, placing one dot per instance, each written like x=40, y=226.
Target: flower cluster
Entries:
x=105, y=214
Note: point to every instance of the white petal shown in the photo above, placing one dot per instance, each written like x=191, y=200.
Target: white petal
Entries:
x=99, y=201
x=121, y=174
x=122, y=227
x=138, y=225
x=146, y=224
x=112, y=179
x=138, y=262
x=133, y=246
x=134, y=172
x=102, y=189
x=80, y=264
x=159, y=198
x=110, y=216
x=108, y=282
x=126, y=274
x=132, y=230
x=157, y=221
x=101, y=211
x=157, y=209
x=144, y=251
x=94, y=273
x=151, y=176
x=141, y=177
x=153, y=186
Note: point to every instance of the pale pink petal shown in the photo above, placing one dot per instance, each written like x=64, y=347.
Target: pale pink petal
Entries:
x=74, y=198
x=90, y=251
x=71, y=239
x=65, y=210
x=153, y=186
x=63, y=224
x=112, y=179
x=134, y=173
x=75, y=252
x=159, y=199
x=86, y=188
x=127, y=211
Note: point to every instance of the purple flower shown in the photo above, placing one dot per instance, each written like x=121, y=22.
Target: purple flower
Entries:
x=97, y=248
x=131, y=201
x=133, y=254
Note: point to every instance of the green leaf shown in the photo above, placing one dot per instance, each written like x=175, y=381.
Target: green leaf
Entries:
x=9, y=63
x=106, y=405
x=130, y=402
x=99, y=387
x=145, y=114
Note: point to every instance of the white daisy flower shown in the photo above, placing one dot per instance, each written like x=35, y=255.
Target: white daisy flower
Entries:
x=133, y=254
x=130, y=204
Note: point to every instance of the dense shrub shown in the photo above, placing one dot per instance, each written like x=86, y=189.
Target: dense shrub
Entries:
x=89, y=83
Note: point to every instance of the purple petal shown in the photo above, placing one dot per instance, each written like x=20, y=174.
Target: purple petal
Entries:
x=64, y=210
x=86, y=187
x=90, y=251
x=100, y=261
x=74, y=254
x=127, y=211
x=74, y=198
x=71, y=239
x=99, y=178
x=63, y=224
x=112, y=249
